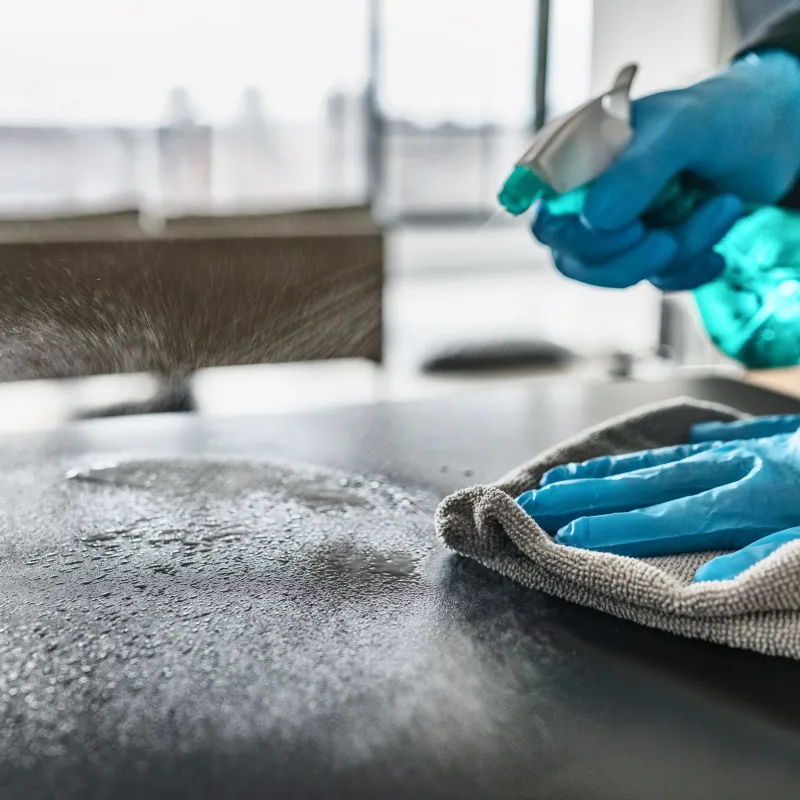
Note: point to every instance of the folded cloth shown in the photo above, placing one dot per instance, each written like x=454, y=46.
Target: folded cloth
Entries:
x=759, y=610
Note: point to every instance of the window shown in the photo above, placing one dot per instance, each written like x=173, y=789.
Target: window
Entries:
x=186, y=106
x=181, y=104
x=455, y=101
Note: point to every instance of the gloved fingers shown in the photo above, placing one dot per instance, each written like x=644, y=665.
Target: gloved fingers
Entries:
x=566, y=233
x=757, y=428
x=696, y=262
x=723, y=568
x=605, y=466
x=685, y=525
x=651, y=255
x=689, y=275
x=659, y=150
x=560, y=504
x=707, y=226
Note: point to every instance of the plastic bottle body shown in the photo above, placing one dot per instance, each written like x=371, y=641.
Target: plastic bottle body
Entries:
x=752, y=311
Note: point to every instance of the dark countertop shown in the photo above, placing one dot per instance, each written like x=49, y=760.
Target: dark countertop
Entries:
x=190, y=620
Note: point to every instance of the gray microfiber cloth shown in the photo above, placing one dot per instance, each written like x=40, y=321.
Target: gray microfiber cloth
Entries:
x=759, y=610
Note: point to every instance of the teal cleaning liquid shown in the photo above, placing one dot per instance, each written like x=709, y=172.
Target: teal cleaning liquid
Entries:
x=752, y=311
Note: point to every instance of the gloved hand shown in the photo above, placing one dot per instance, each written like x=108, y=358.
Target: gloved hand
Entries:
x=706, y=496
x=739, y=129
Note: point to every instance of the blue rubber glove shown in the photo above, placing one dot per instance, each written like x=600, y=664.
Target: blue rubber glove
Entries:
x=739, y=129
x=706, y=496
x=723, y=568
x=752, y=428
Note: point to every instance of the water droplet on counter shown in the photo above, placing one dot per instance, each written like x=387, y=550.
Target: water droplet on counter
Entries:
x=394, y=564
x=101, y=536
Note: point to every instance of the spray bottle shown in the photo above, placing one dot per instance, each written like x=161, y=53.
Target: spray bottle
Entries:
x=752, y=310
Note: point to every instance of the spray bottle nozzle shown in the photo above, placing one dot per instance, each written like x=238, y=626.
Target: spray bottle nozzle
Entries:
x=521, y=190
x=572, y=150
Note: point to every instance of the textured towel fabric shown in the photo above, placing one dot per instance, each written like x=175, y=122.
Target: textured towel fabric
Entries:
x=759, y=610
